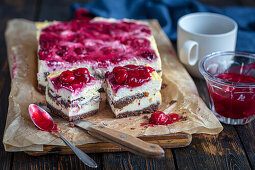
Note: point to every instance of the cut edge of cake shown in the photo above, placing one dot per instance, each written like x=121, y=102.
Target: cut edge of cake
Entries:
x=135, y=101
x=71, y=105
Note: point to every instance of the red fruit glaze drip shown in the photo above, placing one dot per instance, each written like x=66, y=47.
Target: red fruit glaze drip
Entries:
x=160, y=118
x=41, y=118
x=83, y=14
x=72, y=80
x=120, y=75
x=67, y=77
x=128, y=76
x=104, y=43
x=232, y=102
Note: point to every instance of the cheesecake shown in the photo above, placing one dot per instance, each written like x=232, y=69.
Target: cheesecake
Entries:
x=99, y=45
x=73, y=94
x=132, y=90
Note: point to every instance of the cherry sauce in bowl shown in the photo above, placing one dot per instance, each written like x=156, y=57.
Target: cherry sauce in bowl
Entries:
x=230, y=78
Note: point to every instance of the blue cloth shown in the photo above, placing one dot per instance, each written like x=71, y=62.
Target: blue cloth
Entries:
x=167, y=12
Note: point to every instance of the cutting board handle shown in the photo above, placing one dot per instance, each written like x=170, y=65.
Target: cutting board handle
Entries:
x=128, y=142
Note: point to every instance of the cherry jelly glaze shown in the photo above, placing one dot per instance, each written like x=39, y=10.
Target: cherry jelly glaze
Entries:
x=128, y=76
x=72, y=80
x=232, y=101
x=160, y=118
x=42, y=119
x=100, y=42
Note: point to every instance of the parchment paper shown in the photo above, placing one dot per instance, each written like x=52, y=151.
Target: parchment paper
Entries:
x=179, y=95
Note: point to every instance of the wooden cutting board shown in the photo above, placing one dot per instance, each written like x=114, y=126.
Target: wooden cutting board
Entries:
x=174, y=140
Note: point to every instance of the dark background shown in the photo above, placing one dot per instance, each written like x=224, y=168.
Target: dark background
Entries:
x=234, y=148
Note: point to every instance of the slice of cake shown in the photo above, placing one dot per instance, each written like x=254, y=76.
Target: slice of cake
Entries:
x=73, y=94
x=99, y=45
x=132, y=90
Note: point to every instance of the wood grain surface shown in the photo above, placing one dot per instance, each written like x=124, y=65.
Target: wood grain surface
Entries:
x=165, y=141
x=234, y=148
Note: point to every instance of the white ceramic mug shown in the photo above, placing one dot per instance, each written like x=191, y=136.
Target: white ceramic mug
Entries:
x=202, y=33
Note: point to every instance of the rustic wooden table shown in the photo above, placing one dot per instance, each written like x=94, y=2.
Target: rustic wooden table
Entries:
x=233, y=148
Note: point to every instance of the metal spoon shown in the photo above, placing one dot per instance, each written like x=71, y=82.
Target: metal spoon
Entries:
x=44, y=121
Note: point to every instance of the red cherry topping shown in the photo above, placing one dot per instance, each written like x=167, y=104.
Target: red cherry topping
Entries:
x=72, y=80
x=148, y=55
x=146, y=30
x=137, y=43
x=82, y=74
x=80, y=71
x=67, y=77
x=129, y=76
x=81, y=41
x=80, y=50
x=158, y=118
x=120, y=74
x=62, y=51
x=173, y=117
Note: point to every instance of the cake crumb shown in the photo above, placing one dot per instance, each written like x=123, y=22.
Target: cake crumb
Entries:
x=146, y=94
x=104, y=123
x=163, y=86
x=71, y=124
x=145, y=117
x=183, y=118
x=132, y=128
x=172, y=102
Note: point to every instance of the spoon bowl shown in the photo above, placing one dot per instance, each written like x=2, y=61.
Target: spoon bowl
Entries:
x=45, y=122
x=41, y=118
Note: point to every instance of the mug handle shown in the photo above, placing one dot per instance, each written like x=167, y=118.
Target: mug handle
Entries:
x=189, y=53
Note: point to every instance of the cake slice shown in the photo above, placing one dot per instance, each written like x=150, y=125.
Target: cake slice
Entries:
x=99, y=45
x=73, y=94
x=132, y=90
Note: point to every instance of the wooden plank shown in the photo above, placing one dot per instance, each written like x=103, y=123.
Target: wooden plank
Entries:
x=61, y=10
x=250, y=3
x=128, y=160
x=220, y=3
x=212, y=152
x=165, y=141
x=222, y=151
x=73, y=162
x=247, y=136
x=4, y=91
x=5, y=157
x=202, y=89
x=51, y=162
x=24, y=162
x=12, y=9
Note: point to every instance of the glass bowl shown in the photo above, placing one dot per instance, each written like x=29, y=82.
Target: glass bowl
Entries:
x=230, y=79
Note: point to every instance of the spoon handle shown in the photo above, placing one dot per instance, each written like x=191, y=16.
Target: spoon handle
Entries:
x=80, y=154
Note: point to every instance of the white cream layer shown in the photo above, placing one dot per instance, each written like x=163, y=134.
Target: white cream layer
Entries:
x=138, y=104
x=77, y=110
x=151, y=87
